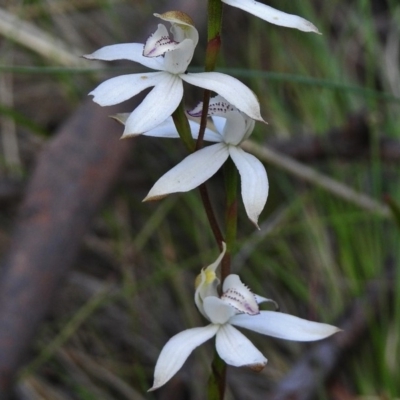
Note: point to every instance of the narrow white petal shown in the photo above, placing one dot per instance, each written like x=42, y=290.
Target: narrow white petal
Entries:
x=217, y=310
x=234, y=91
x=254, y=182
x=121, y=88
x=177, y=350
x=284, y=326
x=158, y=105
x=191, y=172
x=272, y=15
x=235, y=349
x=167, y=129
x=126, y=51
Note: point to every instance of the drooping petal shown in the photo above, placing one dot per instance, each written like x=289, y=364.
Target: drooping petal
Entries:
x=194, y=170
x=235, y=349
x=234, y=91
x=207, y=282
x=272, y=15
x=121, y=88
x=254, y=182
x=177, y=350
x=126, y=51
x=167, y=129
x=284, y=326
x=217, y=311
x=157, y=106
x=239, y=296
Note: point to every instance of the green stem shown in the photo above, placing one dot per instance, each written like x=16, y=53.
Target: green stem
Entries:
x=231, y=181
x=182, y=126
x=210, y=215
x=217, y=379
x=212, y=51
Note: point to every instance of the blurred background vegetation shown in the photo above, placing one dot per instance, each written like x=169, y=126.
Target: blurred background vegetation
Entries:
x=132, y=287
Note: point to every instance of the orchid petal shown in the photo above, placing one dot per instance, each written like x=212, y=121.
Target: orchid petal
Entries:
x=157, y=106
x=261, y=299
x=181, y=32
x=272, y=15
x=239, y=296
x=191, y=172
x=167, y=129
x=217, y=310
x=235, y=128
x=159, y=43
x=206, y=282
x=177, y=350
x=182, y=26
x=284, y=326
x=234, y=91
x=126, y=51
x=254, y=182
x=178, y=18
x=177, y=61
x=219, y=123
x=217, y=106
x=235, y=349
x=121, y=88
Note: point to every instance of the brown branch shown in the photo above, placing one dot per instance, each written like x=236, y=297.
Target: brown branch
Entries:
x=73, y=175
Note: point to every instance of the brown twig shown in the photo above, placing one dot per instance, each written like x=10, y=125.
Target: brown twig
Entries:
x=73, y=176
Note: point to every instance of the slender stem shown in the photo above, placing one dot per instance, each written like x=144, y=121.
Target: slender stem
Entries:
x=182, y=126
x=203, y=120
x=217, y=380
x=211, y=216
x=231, y=180
x=212, y=51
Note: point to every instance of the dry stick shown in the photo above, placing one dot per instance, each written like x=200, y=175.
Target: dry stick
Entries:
x=311, y=175
x=308, y=375
x=72, y=178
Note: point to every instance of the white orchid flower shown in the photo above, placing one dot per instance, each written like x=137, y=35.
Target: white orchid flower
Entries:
x=231, y=127
x=272, y=15
x=170, y=55
x=236, y=306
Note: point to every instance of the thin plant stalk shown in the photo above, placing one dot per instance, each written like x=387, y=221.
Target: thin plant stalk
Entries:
x=217, y=380
x=182, y=126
